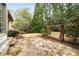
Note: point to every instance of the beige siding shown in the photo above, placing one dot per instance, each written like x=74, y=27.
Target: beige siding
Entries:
x=4, y=42
x=9, y=25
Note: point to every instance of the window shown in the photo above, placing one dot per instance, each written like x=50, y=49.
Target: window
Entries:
x=1, y=19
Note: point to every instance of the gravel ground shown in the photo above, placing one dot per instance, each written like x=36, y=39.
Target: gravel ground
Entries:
x=34, y=45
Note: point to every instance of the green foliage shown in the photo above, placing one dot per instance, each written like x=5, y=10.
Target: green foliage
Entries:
x=38, y=22
x=12, y=33
x=66, y=14
x=72, y=22
x=22, y=20
x=58, y=13
x=55, y=29
x=72, y=27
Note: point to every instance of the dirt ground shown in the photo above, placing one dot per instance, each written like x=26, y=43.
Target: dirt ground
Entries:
x=35, y=45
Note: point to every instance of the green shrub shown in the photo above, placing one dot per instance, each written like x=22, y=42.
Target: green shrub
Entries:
x=12, y=33
x=72, y=28
x=55, y=29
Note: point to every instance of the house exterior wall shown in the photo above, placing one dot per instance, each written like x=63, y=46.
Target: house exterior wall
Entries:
x=10, y=20
x=4, y=42
x=9, y=25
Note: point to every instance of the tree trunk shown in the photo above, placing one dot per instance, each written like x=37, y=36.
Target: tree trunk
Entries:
x=48, y=30
x=61, y=32
x=74, y=39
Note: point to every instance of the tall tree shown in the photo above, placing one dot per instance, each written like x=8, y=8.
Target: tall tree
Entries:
x=38, y=18
x=58, y=18
x=72, y=24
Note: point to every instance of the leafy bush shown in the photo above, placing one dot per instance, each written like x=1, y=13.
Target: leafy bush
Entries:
x=26, y=28
x=55, y=29
x=22, y=21
x=12, y=33
x=72, y=27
